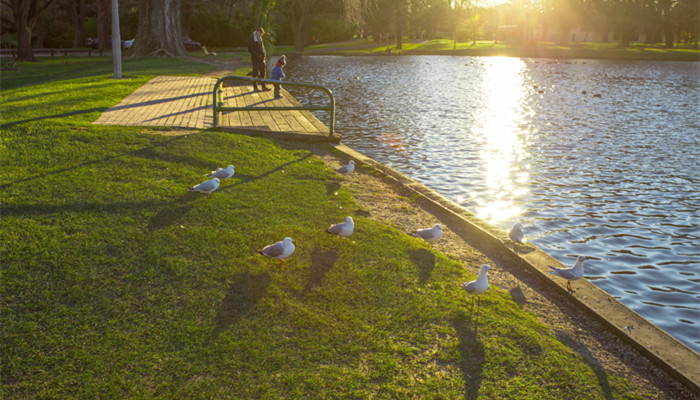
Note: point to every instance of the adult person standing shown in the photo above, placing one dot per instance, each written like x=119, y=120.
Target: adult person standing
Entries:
x=257, y=57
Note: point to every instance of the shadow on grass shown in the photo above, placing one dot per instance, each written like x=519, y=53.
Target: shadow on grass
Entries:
x=139, y=152
x=240, y=300
x=332, y=187
x=173, y=212
x=425, y=261
x=471, y=355
x=321, y=262
x=247, y=178
x=518, y=296
x=589, y=359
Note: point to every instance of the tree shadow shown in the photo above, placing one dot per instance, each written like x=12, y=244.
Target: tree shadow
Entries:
x=321, y=262
x=173, y=212
x=241, y=297
x=251, y=178
x=471, y=356
x=589, y=359
x=424, y=259
x=138, y=152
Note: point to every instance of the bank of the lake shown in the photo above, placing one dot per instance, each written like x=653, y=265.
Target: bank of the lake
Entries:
x=116, y=282
x=573, y=50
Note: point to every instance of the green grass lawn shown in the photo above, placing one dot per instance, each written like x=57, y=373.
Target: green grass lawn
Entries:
x=118, y=283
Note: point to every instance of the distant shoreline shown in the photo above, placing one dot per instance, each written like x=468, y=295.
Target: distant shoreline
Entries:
x=577, y=50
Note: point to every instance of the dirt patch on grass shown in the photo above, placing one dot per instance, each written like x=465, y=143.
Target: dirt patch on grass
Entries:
x=385, y=200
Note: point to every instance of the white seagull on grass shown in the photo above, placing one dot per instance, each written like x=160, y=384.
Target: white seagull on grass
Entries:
x=346, y=169
x=479, y=286
x=430, y=235
x=570, y=274
x=222, y=173
x=207, y=186
x=343, y=229
x=280, y=250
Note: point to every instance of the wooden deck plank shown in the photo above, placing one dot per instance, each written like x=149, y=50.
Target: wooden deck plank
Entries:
x=187, y=102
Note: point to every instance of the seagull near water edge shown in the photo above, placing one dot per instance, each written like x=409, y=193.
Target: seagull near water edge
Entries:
x=343, y=229
x=516, y=233
x=430, y=235
x=279, y=250
x=346, y=169
x=570, y=274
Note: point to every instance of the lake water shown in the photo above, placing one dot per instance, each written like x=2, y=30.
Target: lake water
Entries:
x=599, y=158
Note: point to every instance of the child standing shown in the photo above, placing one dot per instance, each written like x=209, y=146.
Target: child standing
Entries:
x=277, y=75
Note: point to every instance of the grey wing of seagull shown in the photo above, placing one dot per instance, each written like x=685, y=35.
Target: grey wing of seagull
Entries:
x=274, y=250
x=335, y=229
x=470, y=287
x=426, y=233
x=342, y=170
x=567, y=273
x=205, y=186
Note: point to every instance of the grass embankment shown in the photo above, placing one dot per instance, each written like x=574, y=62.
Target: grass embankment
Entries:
x=590, y=50
x=117, y=283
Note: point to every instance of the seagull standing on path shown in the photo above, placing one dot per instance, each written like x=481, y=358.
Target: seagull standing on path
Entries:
x=478, y=286
x=222, y=173
x=343, y=229
x=570, y=274
x=516, y=233
x=346, y=169
x=430, y=235
x=280, y=250
x=207, y=186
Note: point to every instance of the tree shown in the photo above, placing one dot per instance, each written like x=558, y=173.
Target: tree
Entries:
x=78, y=11
x=301, y=13
x=24, y=15
x=160, y=29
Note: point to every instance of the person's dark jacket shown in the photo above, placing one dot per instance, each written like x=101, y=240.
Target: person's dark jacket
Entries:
x=256, y=48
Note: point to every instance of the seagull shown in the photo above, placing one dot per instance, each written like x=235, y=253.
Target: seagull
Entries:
x=343, y=229
x=478, y=286
x=222, y=173
x=430, y=235
x=516, y=233
x=280, y=250
x=570, y=274
x=206, y=186
x=346, y=169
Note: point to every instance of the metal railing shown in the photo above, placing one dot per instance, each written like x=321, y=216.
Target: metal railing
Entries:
x=219, y=103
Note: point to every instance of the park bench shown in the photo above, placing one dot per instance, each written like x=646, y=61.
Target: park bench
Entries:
x=208, y=53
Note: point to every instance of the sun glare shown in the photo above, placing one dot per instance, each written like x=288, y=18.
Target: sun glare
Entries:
x=501, y=133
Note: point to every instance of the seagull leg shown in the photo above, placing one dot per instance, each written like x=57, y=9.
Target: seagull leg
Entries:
x=281, y=263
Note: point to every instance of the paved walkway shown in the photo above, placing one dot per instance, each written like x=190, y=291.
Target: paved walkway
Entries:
x=186, y=102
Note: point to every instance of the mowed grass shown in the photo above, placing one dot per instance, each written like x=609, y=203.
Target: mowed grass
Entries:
x=118, y=283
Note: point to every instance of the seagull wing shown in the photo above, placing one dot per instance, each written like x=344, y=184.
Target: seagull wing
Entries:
x=469, y=287
x=274, y=250
x=566, y=273
x=335, y=229
x=343, y=170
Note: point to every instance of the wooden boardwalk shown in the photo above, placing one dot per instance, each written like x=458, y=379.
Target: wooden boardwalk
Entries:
x=186, y=102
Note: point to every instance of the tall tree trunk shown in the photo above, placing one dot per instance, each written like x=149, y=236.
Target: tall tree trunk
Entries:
x=103, y=7
x=298, y=33
x=21, y=10
x=160, y=29
x=78, y=13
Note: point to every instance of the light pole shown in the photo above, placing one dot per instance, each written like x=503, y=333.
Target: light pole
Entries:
x=116, y=41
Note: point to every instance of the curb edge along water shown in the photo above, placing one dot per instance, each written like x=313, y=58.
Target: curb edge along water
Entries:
x=667, y=352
